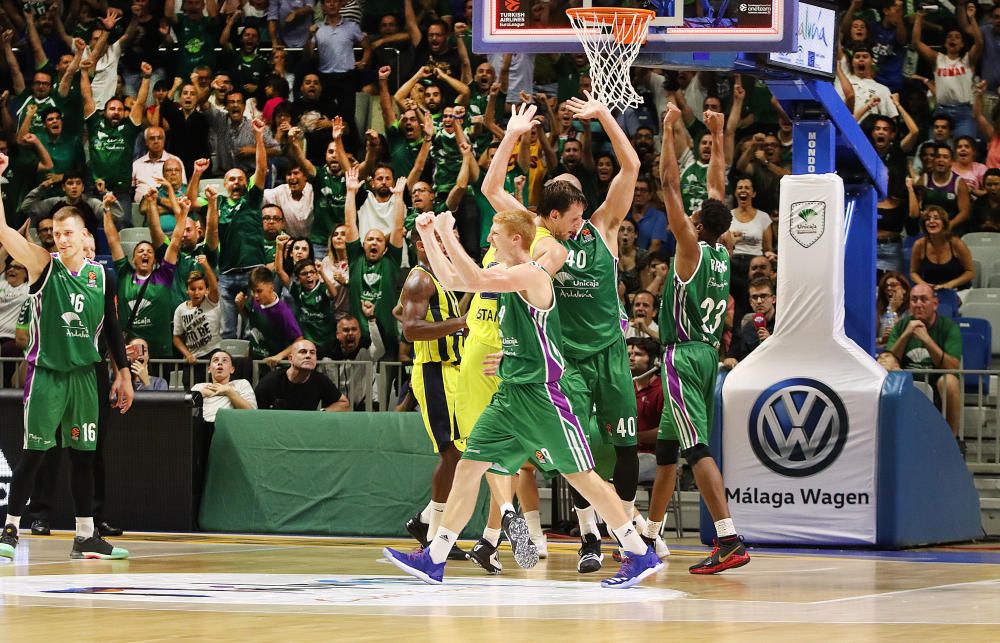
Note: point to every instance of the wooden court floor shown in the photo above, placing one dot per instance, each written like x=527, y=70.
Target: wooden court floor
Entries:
x=259, y=588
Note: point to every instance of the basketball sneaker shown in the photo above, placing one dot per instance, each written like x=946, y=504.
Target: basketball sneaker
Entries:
x=96, y=547
x=457, y=553
x=8, y=541
x=634, y=569
x=728, y=553
x=660, y=547
x=590, y=554
x=515, y=527
x=485, y=555
x=418, y=564
x=418, y=529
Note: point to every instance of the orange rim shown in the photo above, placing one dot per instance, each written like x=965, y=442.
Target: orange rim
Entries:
x=617, y=17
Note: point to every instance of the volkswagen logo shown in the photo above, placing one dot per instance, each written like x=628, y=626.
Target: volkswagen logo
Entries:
x=798, y=427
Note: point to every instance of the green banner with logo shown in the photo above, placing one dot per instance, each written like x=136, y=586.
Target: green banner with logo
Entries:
x=343, y=474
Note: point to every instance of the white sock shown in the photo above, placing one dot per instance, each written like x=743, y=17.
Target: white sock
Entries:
x=13, y=520
x=84, y=527
x=725, y=528
x=425, y=514
x=640, y=522
x=652, y=529
x=629, y=537
x=492, y=536
x=534, y=525
x=444, y=540
x=505, y=507
x=588, y=521
x=437, y=513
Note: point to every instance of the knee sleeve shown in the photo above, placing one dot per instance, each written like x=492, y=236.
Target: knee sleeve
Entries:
x=696, y=453
x=667, y=452
x=626, y=475
x=82, y=477
x=22, y=480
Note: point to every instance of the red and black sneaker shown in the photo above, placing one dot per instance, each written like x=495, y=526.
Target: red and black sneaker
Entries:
x=727, y=554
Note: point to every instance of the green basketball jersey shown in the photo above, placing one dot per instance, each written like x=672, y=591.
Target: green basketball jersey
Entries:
x=695, y=311
x=586, y=290
x=314, y=310
x=530, y=339
x=329, y=197
x=66, y=317
x=694, y=185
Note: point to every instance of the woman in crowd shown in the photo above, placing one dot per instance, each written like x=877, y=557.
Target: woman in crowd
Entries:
x=629, y=257
x=335, y=269
x=966, y=166
x=891, y=303
x=940, y=259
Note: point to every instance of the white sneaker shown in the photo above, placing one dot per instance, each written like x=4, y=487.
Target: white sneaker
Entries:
x=542, y=545
x=661, y=548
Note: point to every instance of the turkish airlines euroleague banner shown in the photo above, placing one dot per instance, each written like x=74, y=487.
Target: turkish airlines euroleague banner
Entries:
x=801, y=412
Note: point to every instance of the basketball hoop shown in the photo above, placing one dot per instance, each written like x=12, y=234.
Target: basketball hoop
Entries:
x=611, y=36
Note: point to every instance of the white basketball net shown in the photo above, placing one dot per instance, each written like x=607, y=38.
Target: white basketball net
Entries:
x=612, y=44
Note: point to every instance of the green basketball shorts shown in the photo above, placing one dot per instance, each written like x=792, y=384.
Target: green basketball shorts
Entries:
x=530, y=421
x=603, y=381
x=57, y=400
x=689, y=373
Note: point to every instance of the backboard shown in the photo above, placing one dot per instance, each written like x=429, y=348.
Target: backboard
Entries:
x=541, y=26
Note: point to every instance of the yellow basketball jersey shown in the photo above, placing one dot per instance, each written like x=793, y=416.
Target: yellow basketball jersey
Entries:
x=482, y=318
x=442, y=306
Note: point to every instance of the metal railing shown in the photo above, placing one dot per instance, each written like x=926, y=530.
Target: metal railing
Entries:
x=369, y=386
x=979, y=420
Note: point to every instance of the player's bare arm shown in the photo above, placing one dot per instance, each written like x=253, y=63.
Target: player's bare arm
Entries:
x=518, y=125
x=716, y=178
x=413, y=303
x=616, y=206
x=687, y=257
x=34, y=258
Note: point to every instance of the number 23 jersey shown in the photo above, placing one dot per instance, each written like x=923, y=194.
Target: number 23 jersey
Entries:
x=695, y=310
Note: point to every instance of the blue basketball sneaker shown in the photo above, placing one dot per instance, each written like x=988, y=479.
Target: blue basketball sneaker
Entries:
x=417, y=564
x=634, y=569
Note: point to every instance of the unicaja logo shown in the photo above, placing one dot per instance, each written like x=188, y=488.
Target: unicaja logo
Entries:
x=798, y=427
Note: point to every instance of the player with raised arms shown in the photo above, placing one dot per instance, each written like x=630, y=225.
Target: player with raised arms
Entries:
x=530, y=412
x=692, y=310
x=70, y=305
x=593, y=336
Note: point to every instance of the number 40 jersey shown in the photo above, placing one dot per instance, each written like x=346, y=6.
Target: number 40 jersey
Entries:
x=695, y=310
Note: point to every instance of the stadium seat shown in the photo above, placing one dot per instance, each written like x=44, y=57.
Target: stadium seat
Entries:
x=137, y=217
x=236, y=347
x=979, y=280
x=987, y=256
x=989, y=312
x=976, y=348
x=908, y=252
x=982, y=239
x=135, y=235
x=949, y=303
x=106, y=261
x=983, y=296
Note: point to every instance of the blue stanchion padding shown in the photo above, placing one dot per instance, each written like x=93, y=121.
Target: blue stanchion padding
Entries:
x=977, y=347
x=925, y=492
x=706, y=524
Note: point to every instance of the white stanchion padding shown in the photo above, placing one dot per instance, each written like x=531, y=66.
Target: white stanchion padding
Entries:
x=800, y=413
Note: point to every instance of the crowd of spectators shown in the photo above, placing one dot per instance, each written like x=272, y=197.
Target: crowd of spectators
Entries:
x=273, y=155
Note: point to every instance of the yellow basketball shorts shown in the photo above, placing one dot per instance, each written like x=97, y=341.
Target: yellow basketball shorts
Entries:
x=435, y=387
x=475, y=389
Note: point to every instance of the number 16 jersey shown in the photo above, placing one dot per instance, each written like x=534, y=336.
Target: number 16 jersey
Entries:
x=695, y=310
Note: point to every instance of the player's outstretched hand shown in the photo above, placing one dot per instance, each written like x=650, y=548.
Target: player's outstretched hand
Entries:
x=714, y=121
x=671, y=115
x=444, y=223
x=589, y=108
x=424, y=223
x=521, y=119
